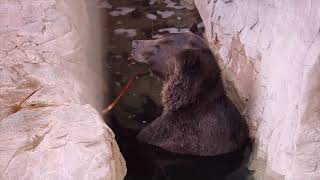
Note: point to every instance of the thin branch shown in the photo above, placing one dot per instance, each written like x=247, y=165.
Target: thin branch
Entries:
x=123, y=91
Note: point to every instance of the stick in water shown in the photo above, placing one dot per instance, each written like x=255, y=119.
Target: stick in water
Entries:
x=123, y=91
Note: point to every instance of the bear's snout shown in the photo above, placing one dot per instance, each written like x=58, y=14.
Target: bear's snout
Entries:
x=136, y=51
x=143, y=50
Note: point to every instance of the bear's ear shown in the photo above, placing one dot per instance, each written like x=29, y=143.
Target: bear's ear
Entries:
x=195, y=30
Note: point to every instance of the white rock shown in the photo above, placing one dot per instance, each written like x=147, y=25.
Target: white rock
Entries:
x=151, y=16
x=200, y=25
x=189, y=4
x=50, y=90
x=104, y=4
x=63, y=142
x=126, y=32
x=165, y=14
x=269, y=52
x=171, y=4
x=170, y=30
x=152, y=2
x=121, y=11
x=173, y=30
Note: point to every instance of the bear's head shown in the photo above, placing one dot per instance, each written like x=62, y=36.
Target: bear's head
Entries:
x=185, y=64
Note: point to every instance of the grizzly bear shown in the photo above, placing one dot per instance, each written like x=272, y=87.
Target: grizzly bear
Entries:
x=198, y=119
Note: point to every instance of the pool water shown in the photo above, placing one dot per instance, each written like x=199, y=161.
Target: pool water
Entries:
x=130, y=20
x=139, y=19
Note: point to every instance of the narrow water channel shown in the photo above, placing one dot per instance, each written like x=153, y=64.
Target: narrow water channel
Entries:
x=140, y=19
x=129, y=20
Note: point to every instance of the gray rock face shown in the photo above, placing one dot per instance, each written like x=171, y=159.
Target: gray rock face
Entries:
x=49, y=74
x=269, y=53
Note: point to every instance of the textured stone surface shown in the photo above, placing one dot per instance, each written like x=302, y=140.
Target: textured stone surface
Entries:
x=269, y=53
x=50, y=85
x=63, y=142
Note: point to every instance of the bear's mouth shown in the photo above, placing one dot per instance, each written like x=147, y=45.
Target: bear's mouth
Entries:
x=138, y=57
x=136, y=52
x=142, y=59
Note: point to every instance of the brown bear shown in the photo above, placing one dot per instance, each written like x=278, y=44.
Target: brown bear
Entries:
x=198, y=118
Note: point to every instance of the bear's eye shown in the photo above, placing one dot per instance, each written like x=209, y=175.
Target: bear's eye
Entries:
x=156, y=49
x=166, y=42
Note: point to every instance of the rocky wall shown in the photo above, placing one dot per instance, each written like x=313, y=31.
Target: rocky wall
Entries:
x=51, y=89
x=269, y=56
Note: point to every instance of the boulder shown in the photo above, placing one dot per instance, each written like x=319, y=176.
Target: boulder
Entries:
x=51, y=89
x=269, y=55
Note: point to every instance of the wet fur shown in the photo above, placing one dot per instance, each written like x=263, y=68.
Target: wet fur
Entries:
x=198, y=118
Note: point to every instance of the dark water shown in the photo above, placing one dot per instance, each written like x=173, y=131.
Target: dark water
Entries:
x=144, y=19
x=135, y=19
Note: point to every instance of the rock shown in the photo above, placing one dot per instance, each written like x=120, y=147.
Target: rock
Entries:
x=269, y=54
x=58, y=142
x=51, y=89
x=121, y=11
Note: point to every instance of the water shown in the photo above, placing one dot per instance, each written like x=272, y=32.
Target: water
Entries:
x=129, y=20
x=139, y=19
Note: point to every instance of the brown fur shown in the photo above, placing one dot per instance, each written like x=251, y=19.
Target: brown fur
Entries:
x=198, y=118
